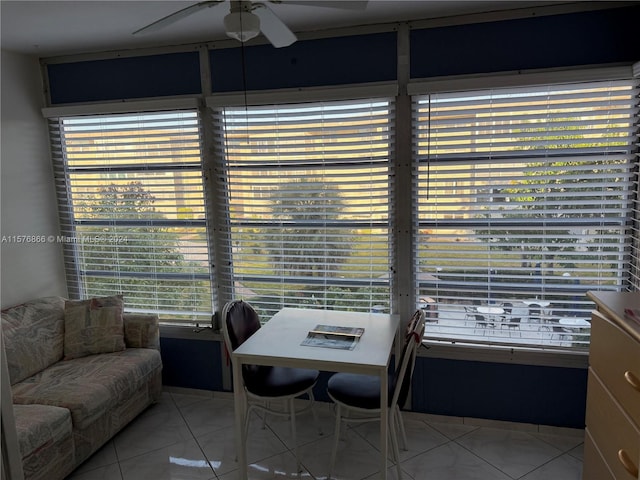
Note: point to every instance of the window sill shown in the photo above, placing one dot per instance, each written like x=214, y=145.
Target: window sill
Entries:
x=523, y=356
x=190, y=332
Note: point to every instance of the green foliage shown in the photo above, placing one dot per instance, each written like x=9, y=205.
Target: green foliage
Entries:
x=130, y=255
x=308, y=247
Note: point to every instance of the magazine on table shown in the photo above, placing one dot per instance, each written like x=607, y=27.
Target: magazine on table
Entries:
x=332, y=336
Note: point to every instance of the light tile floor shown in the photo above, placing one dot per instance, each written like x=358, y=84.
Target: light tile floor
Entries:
x=190, y=436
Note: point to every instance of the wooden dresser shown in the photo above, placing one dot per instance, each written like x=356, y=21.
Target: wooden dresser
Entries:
x=612, y=439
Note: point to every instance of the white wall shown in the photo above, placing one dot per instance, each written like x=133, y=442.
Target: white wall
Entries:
x=28, y=203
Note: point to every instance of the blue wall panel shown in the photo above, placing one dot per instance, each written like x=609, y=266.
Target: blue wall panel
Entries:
x=330, y=61
x=602, y=36
x=125, y=78
x=191, y=363
x=520, y=393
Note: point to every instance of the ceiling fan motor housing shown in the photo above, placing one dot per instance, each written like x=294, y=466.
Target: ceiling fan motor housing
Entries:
x=241, y=24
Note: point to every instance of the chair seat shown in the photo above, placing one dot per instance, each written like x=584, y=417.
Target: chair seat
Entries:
x=278, y=381
x=362, y=391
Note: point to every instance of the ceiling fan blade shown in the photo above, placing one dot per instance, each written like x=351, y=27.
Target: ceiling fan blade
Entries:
x=175, y=16
x=272, y=27
x=342, y=4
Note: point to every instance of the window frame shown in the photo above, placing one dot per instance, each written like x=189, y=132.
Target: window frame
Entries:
x=462, y=84
x=403, y=296
x=194, y=170
x=290, y=98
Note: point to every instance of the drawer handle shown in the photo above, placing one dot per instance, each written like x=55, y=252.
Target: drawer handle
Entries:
x=632, y=380
x=627, y=463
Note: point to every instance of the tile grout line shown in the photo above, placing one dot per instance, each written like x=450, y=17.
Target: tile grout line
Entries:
x=537, y=435
x=478, y=456
x=195, y=439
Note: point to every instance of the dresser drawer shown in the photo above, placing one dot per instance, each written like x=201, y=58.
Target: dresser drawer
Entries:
x=615, y=357
x=612, y=430
x=594, y=467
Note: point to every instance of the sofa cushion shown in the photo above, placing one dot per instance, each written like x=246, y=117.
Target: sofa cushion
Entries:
x=91, y=385
x=33, y=336
x=45, y=439
x=141, y=330
x=93, y=326
x=39, y=425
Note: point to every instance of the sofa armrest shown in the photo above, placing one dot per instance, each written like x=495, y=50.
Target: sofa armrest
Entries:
x=141, y=330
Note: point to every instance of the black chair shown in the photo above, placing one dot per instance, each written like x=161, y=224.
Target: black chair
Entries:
x=265, y=384
x=481, y=322
x=469, y=312
x=357, y=397
x=535, y=315
x=513, y=323
x=506, y=316
x=558, y=330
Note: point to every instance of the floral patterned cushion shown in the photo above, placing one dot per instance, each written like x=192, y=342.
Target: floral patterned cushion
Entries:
x=33, y=336
x=38, y=425
x=46, y=441
x=141, y=330
x=93, y=326
x=91, y=385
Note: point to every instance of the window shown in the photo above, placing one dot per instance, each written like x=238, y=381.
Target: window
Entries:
x=524, y=202
x=132, y=211
x=307, y=190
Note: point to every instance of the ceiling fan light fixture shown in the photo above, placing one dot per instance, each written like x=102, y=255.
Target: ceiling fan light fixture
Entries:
x=242, y=26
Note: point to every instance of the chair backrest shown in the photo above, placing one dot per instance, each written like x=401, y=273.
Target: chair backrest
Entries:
x=239, y=322
x=480, y=318
x=401, y=382
x=507, y=307
x=555, y=325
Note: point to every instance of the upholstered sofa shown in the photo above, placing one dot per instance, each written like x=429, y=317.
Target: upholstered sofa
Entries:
x=79, y=372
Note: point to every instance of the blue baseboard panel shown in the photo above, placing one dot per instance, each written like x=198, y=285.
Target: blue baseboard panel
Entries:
x=191, y=363
x=518, y=393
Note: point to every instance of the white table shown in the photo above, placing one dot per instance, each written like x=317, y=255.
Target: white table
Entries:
x=491, y=312
x=540, y=303
x=278, y=342
x=573, y=322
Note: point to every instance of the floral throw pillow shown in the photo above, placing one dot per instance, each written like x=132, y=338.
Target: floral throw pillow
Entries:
x=93, y=326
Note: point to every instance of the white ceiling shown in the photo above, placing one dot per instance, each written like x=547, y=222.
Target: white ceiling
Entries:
x=52, y=28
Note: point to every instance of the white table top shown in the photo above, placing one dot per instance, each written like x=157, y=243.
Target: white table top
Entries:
x=574, y=322
x=491, y=310
x=278, y=342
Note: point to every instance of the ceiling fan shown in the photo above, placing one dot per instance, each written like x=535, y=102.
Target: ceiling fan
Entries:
x=247, y=18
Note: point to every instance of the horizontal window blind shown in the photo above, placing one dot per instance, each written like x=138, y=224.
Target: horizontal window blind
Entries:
x=634, y=267
x=307, y=189
x=525, y=200
x=130, y=193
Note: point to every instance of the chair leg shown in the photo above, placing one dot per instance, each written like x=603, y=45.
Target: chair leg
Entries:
x=315, y=414
x=336, y=434
x=403, y=433
x=247, y=420
x=396, y=452
x=245, y=427
x=293, y=434
x=264, y=416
